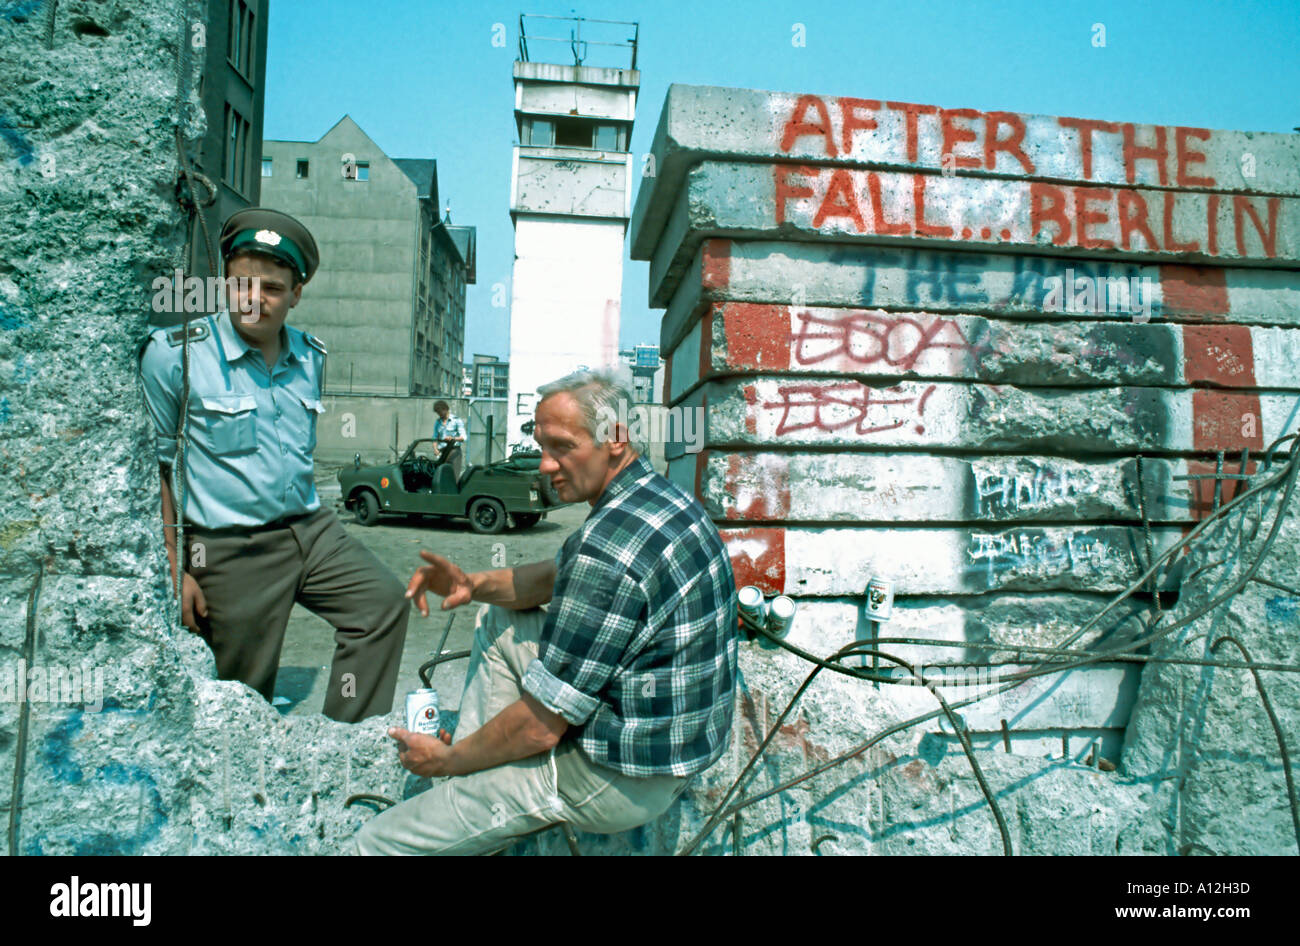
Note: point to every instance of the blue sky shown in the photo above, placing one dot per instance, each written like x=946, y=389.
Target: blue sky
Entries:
x=423, y=79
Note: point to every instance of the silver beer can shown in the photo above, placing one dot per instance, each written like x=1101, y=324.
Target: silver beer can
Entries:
x=422, y=711
x=779, y=615
x=750, y=606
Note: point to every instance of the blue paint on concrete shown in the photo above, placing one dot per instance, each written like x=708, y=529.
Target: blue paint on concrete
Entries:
x=57, y=751
x=11, y=320
x=17, y=141
x=23, y=370
x=102, y=843
x=14, y=12
x=59, y=756
x=1281, y=609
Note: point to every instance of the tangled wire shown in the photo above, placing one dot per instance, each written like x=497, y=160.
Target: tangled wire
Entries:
x=1056, y=659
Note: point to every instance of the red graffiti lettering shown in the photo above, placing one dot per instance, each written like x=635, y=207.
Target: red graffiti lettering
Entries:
x=1047, y=203
x=788, y=191
x=1185, y=156
x=850, y=121
x=1133, y=153
x=910, y=112
x=867, y=338
x=1013, y=145
x=1242, y=205
x=954, y=135
x=1133, y=219
x=832, y=407
x=1083, y=217
x=1085, y=127
x=840, y=201
x=1171, y=244
x=918, y=205
x=798, y=125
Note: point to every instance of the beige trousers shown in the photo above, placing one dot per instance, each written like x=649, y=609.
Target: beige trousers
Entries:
x=484, y=811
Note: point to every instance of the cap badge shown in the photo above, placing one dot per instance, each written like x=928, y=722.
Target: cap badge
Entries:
x=269, y=237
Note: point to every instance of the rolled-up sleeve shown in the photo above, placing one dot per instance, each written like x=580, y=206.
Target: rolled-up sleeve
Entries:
x=160, y=376
x=596, y=612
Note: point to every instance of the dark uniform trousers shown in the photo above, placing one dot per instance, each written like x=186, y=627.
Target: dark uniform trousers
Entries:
x=251, y=579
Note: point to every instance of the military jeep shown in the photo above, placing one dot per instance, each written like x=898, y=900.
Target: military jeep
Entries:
x=423, y=483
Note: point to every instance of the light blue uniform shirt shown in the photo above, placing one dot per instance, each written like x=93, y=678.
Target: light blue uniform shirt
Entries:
x=452, y=427
x=251, y=429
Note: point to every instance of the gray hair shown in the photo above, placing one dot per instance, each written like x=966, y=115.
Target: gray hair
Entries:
x=600, y=393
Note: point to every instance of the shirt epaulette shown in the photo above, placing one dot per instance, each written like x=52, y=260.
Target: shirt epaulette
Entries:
x=315, y=342
x=176, y=336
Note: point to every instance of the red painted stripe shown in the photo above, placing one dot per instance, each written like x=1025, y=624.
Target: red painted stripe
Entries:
x=1218, y=354
x=1203, y=490
x=716, y=273
x=765, y=566
x=1221, y=355
x=758, y=336
x=1225, y=420
x=1195, y=290
x=751, y=409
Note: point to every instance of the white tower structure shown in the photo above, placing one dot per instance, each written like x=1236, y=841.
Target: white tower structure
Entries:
x=570, y=200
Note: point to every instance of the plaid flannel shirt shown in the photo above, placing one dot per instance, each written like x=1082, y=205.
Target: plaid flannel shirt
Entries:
x=639, y=645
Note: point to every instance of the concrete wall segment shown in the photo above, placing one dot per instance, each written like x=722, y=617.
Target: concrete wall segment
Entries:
x=700, y=123
x=991, y=284
x=802, y=202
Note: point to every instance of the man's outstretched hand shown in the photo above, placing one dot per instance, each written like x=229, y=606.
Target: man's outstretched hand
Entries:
x=442, y=578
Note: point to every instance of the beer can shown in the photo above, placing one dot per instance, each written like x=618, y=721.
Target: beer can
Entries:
x=880, y=599
x=779, y=614
x=422, y=711
x=750, y=606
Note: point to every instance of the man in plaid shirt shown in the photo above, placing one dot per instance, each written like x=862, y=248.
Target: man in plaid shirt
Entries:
x=597, y=711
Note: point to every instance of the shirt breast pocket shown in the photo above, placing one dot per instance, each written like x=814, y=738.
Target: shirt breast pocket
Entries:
x=231, y=424
x=314, y=409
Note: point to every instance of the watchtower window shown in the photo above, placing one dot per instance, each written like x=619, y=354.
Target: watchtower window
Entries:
x=574, y=133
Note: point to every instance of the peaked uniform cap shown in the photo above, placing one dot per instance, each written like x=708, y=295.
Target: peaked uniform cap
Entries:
x=273, y=233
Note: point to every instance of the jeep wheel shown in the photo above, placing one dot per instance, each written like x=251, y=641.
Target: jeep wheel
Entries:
x=549, y=492
x=367, y=509
x=487, y=516
x=526, y=520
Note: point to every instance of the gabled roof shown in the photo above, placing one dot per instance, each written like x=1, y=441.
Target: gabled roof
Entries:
x=423, y=172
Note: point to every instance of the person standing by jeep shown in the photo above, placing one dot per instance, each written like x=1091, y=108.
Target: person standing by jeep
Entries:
x=257, y=536
x=449, y=431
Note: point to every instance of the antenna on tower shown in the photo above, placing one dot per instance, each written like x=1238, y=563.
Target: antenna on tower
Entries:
x=575, y=41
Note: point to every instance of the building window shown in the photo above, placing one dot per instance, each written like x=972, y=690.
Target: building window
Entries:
x=235, y=151
x=302, y=169
x=574, y=133
x=240, y=43
x=539, y=132
x=608, y=138
x=363, y=170
x=266, y=167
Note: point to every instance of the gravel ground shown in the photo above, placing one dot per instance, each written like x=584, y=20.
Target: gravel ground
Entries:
x=309, y=641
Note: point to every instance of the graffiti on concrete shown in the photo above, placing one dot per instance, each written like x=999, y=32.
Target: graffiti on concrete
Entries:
x=996, y=555
x=135, y=787
x=1028, y=212
x=874, y=338
x=837, y=407
x=17, y=141
x=1021, y=491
